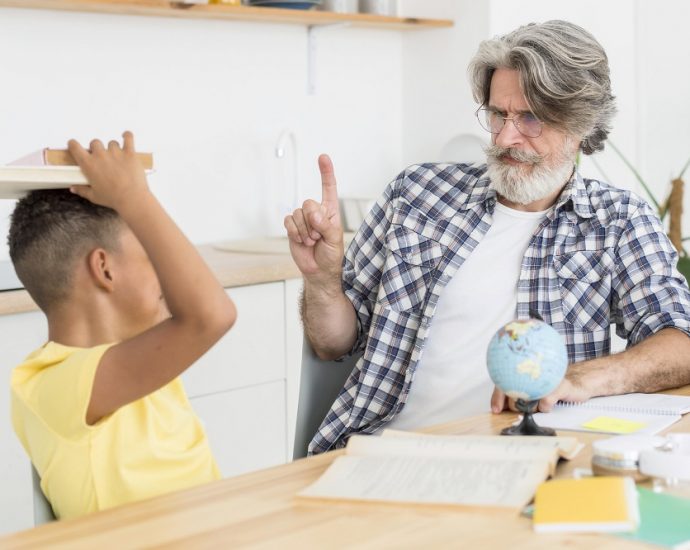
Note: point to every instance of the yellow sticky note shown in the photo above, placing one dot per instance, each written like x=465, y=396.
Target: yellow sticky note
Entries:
x=613, y=425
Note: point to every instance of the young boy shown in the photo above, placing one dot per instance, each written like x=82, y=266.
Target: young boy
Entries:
x=130, y=305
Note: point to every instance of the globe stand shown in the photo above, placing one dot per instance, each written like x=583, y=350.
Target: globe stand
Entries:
x=528, y=426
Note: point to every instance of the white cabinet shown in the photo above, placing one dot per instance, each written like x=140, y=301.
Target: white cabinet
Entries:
x=245, y=427
x=20, y=334
x=252, y=352
x=239, y=388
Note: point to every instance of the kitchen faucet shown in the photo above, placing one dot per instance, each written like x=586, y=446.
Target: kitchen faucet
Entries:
x=285, y=136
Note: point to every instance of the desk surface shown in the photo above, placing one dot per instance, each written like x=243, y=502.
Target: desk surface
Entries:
x=259, y=510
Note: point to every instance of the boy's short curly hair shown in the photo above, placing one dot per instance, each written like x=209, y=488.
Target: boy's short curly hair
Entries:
x=50, y=231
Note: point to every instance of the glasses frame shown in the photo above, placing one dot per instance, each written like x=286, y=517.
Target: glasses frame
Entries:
x=484, y=112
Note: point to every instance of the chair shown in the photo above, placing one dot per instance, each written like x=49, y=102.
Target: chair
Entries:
x=463, y=148
x=320, y=383
x=43, y=511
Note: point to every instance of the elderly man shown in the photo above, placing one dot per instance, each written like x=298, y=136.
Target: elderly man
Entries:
x=451, y=252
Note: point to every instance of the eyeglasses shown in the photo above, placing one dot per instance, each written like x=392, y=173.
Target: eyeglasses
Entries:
x=526, y=123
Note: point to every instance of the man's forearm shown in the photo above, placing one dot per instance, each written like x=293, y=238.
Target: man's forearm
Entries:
x=329, y=318
x=660, y=362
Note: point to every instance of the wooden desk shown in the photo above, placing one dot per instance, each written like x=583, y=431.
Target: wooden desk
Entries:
x=259, y=510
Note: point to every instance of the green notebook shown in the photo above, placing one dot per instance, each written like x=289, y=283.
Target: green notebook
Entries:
x=664, y=520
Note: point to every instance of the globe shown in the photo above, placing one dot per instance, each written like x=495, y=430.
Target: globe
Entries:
x=527, y=359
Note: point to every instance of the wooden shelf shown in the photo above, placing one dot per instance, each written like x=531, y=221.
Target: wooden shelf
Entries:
x=237, y=13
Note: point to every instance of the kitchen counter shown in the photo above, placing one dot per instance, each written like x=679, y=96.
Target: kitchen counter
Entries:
x=232, y=269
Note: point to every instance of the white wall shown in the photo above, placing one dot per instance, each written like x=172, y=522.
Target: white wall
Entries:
x=437, y=100
x=209, y=99
x=664, y=89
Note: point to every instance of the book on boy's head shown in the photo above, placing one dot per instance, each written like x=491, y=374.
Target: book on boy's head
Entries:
x=47, y=169
x=461, y=470
x=62, y=157
x=591, y=504
x=633, y=413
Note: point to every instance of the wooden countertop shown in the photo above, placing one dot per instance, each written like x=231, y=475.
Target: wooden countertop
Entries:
x=259, y=510
x=232, y=269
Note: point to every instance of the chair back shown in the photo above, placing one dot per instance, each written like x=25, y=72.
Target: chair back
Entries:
x=320, y=383
x=43, y=511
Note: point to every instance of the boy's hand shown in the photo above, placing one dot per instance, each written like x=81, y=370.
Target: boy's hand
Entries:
x=115, y=175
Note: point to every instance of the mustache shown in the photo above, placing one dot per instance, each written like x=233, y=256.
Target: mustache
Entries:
x=496, y=153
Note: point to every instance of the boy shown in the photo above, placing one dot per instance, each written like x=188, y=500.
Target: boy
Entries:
x=130, y=305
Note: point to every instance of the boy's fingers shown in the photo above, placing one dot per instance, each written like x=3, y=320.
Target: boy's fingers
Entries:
x=128, y=141
x=76, y=150
x=113, y=145
x=84, y=191
x=96, y=145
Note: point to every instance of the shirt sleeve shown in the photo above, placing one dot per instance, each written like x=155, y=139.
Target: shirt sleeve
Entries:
x=364, y=260
x=64, y=392
x=649, y=291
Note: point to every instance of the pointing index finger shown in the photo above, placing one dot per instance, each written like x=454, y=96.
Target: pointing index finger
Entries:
x=329, y=191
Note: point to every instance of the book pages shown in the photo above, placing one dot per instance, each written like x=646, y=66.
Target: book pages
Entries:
x=410, y=479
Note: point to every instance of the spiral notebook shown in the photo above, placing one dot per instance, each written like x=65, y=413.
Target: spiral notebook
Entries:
x=640, y=413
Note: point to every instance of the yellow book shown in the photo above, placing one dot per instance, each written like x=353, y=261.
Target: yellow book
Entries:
x=593, y=504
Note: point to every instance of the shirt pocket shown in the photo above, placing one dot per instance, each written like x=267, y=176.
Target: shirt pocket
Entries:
x=411, y=260
x=584, y=278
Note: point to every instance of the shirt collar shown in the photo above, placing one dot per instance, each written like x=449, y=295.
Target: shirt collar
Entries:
x=575, y=197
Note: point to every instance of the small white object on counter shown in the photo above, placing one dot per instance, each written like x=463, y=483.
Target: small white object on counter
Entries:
x=671, y=461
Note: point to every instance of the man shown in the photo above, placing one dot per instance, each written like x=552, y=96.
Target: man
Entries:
x=452, y=252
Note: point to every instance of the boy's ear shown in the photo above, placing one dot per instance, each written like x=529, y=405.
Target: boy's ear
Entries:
x=100, y=268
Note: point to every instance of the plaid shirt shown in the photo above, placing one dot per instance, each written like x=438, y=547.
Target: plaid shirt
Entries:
x=600, y=257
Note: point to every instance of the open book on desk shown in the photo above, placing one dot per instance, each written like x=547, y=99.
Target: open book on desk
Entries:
x=472, y=471
x=640, y=413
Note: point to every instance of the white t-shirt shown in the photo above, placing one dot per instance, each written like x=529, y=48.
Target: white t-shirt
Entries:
x=451, y=380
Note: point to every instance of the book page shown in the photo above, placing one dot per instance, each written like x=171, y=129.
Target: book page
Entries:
x=395, y=442
x=647, y=403
x=591, y=420
x=498, y=483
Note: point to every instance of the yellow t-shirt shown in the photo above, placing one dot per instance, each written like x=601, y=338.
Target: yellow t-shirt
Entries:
x=150, y=446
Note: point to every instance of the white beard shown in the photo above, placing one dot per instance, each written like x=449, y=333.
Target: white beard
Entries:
x=525, y=184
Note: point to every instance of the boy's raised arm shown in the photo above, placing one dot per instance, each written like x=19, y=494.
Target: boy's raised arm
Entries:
x=200, y=310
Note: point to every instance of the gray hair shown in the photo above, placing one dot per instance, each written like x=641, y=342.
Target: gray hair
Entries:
x=564, y=74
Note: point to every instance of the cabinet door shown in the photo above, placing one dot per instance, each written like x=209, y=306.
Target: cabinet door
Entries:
x=294, y=336
x=245, y=427
x=20, y=334
x=252, y=352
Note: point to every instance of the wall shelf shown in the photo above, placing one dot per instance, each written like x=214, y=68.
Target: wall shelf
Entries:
x=166, y=8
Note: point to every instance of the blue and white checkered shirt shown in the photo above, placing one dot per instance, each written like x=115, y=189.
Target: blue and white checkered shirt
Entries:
x=599, y=257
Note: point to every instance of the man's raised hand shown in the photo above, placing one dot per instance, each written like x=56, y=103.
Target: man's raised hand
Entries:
x=315, y=231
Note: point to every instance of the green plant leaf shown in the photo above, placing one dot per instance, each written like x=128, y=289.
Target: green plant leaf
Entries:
x=637, y=176
x=687, y=163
